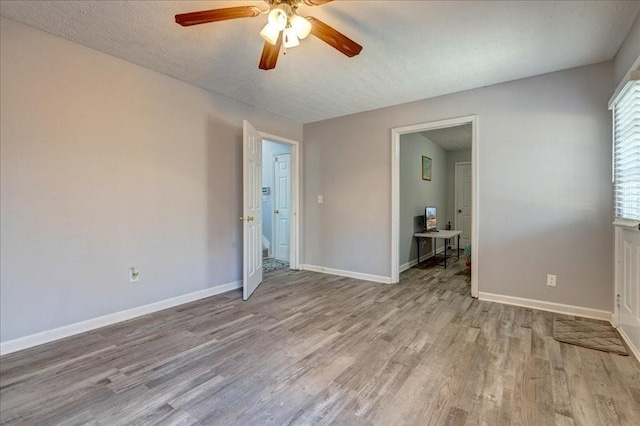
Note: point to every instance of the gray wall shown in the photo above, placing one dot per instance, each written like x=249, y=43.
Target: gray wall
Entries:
x=453, y=157
x=105, y=165
x=269, y=149
x=545, y=185
x=629, y=51
x=416, y=194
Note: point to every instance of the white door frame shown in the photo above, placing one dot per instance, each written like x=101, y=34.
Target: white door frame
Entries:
x=395, y=191
x=455, y=190
x=295, y=237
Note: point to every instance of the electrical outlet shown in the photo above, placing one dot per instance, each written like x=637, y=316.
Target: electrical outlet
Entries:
x=134, y=274
x=551, y=280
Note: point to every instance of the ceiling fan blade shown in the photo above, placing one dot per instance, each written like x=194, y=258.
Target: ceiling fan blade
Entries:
x=316, y=2
x=334, y=38
x=270, y=54
x=205, y=16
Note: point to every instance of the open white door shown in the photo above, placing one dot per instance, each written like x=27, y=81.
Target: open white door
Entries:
x=251, y=209
x=627, y=306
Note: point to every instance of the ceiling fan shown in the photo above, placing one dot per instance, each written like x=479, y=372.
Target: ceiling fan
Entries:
x=284, y=26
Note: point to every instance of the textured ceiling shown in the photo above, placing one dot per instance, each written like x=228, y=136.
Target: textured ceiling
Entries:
x=450, y=138
x=412, y=49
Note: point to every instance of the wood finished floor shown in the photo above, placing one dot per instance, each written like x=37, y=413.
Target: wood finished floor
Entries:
x=309, y=348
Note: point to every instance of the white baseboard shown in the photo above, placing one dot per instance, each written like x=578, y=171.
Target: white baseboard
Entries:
x=625, y=337
x=349, y=274
x=91, y=324
x=409, y=264
x=546, y=306
x=414, y=262
x=629, y=343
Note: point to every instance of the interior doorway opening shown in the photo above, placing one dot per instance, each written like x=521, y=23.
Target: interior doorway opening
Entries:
x=276, y=205
x=435, y=165
x=252, y=215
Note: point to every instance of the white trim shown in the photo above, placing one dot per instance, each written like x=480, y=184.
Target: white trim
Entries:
x=630, y=224
x=395, y=205
x=410, y=264
x=349, y=274
x=109, y=319
x=395, y=191
x=414, y=262
x=541, y=305
x=629, y=343
x=295, y=218
x=475, y=209
x=633, y=74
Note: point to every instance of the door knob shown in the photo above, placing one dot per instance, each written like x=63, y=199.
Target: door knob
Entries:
x=277, y=211
x=459, y=211
x=241, y=218
x=250, y=218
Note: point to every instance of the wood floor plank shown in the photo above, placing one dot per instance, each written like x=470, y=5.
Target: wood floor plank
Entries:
x=309, y=348
x=606, y=410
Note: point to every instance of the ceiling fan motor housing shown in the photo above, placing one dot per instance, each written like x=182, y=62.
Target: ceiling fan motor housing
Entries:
x=294, y=4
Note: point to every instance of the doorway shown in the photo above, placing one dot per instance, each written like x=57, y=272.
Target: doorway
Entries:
x=462, y=197
x=276, y=205
x=252, y=205
x=433, y=129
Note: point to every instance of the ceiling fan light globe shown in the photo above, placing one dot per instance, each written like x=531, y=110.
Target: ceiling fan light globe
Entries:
x=290, y=38
x=301, y=26
x=278, y=18
x=270, y=34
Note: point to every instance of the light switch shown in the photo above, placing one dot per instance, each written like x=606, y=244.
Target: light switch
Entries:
x=319, y=199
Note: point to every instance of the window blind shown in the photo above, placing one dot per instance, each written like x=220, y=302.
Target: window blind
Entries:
x=626, y=152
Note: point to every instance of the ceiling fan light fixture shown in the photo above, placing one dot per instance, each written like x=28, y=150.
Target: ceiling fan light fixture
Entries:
x=290, y=38
x=284, y=27
x=301, y=26
x=270, y=33
x=278, y=18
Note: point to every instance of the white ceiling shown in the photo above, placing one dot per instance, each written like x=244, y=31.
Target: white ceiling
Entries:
x=450, y=138
x=412, y=49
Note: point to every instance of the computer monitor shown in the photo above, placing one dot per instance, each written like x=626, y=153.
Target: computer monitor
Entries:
x=430, y=219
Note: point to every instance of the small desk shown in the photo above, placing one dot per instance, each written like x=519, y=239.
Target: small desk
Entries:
x=444, y=234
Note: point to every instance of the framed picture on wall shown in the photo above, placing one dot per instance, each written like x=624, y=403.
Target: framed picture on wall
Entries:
x=426, y=168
